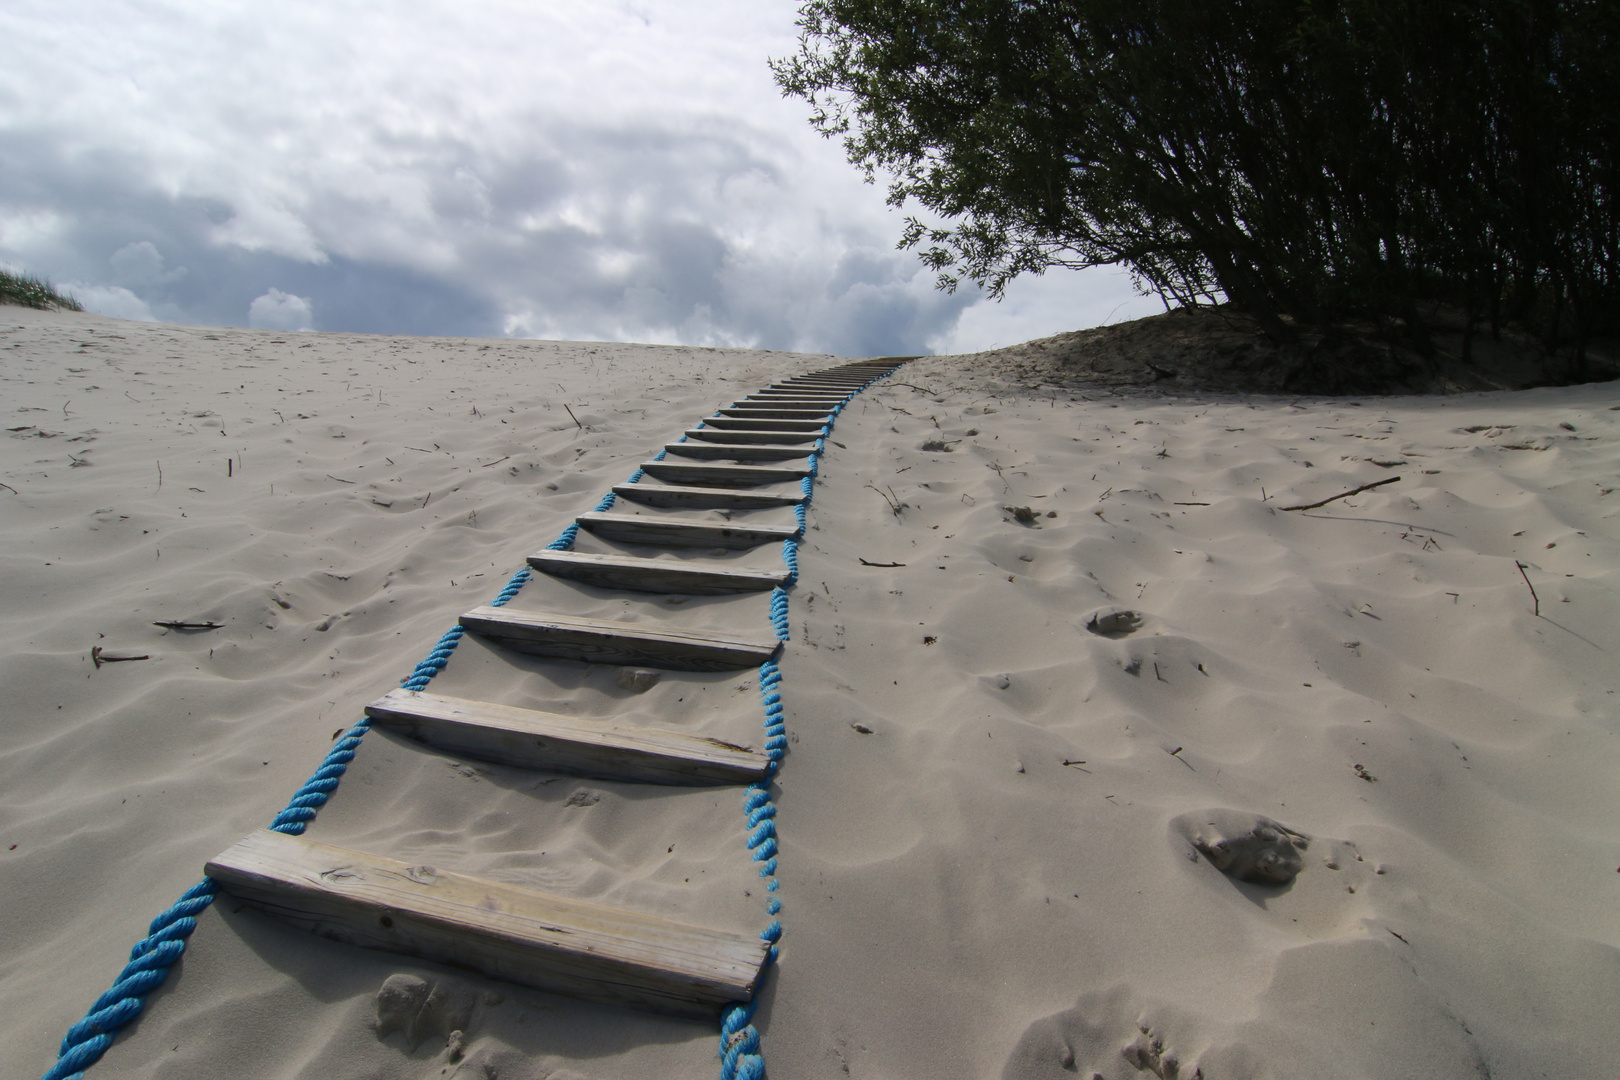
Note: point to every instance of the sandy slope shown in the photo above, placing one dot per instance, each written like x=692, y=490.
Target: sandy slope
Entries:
x=958, y=900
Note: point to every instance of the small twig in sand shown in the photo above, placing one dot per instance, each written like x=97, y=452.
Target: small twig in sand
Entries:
x=160, y=475
x=1344, y=494
x=1532, y=588
x=190, y=625
x=574, y=418
x=339, y=479
x=11, y=489
x=497, y=461
x=98, y=657
x=865, y=563
x=1189, y=504
x=895, y=505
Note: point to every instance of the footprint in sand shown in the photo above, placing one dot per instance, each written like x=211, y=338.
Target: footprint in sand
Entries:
x=1114, y=622
x=419, y=1009
x=1106, y=1036
x=1248, y=847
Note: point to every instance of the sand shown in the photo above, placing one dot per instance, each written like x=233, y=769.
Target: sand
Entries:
x=1005, y=753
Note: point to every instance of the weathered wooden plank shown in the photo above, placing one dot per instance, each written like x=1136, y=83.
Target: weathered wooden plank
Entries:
x=702, y=472
x=598, y=641
x=823, y=383
x=530, y=739
x=842, y=389
x=750, y=435
x=737, y=451
x=521, y=935
x=737, y=422
x=705, y=498
x=689, y=577
x=769, y=412
x=768, y=397
x=797, y=403
x=669, y=532
x=831, y=392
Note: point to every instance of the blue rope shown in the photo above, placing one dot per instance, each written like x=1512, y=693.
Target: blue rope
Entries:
x=740, y=1053
x=151, y=959
x=154, y=955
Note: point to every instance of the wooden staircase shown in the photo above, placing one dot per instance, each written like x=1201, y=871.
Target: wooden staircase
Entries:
x=750, y=457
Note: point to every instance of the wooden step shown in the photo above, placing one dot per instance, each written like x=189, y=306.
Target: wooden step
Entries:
x=771, y=412
x=503, y=931
x=738, y=451
x=530, y=739
x=766, y=397
x=789, y=401
x=688, y=577
x=751, y=424
x=853, y=382
x=750, y=435
x=704, y=498
x=701, y=472
x=598, y=641
x=668, y=532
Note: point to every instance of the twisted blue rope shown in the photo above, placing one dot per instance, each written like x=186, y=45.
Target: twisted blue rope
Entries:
x=740, y=1053
x=152, y=958
x=154, y=955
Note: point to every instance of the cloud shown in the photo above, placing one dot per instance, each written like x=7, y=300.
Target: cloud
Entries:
x=582, y=171
x=276, y=310
x=114, y=301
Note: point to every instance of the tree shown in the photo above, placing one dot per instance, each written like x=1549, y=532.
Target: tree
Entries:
x=1309, y=161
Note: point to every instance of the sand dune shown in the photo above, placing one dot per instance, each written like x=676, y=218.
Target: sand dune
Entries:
x=1005, y=752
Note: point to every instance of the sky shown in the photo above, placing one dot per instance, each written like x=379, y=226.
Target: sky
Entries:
x=565, y=169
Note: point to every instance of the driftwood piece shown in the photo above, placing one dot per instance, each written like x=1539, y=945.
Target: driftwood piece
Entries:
x=1343, y=494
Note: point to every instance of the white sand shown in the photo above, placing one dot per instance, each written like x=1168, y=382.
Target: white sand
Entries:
x=958, y=901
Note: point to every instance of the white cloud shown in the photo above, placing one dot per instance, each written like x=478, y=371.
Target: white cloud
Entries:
x=276, y=310
x=596, y=169
x=114, y=301
x=1054, y=303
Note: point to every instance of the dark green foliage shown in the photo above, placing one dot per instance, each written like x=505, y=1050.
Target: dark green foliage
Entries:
x=1310, y=162
x=30, y=291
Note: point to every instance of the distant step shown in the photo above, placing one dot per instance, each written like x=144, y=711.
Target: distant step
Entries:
x=690, y=577
x=503, y=931
x=752, y=435
x=789, y=396
x=796, y=402
x=667, y=532
x=704, y=498
x=738, y=452
x=529, y=739
x=689, y=472
x=771, y=412
x=749, y=423
x=598, y=641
